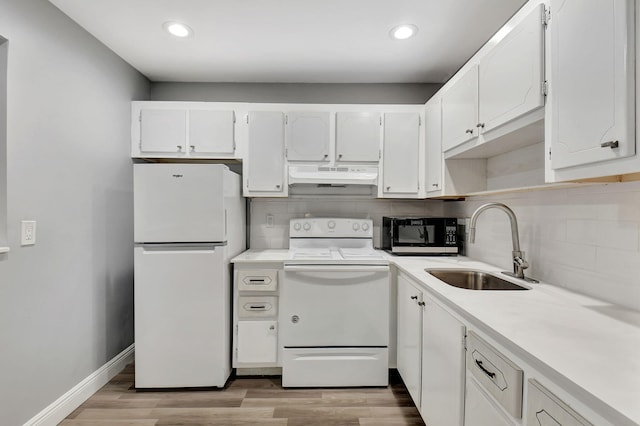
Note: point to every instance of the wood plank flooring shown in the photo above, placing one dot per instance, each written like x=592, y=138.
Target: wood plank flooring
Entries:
x=246, y=401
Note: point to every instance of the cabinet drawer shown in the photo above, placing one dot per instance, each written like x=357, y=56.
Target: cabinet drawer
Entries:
x=544, y=408
x=257, y=341
x=497, y=374
x=257, y=306
x=258, y=280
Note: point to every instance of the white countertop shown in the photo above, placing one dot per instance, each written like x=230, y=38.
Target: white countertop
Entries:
x=590, y=347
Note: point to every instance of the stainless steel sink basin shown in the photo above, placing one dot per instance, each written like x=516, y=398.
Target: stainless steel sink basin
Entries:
x=473, y=280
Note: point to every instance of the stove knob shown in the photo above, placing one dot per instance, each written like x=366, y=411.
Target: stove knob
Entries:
x=297, y=226
x=365, y=226
x=331, y=224
x=356, y=227
x=306, y=226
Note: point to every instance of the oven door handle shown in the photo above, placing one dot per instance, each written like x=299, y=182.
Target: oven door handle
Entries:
x=336, y=268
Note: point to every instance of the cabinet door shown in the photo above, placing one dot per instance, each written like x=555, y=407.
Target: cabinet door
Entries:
x=357, y=136
x=307, y=136
x=410, y=337
x=163, y=131
x=511, y=74
x=442, y=367
x=401, y=146
x=460, y=111
x=265, y=163
x=257, y=341
x=480, y=410
x=433, y=141
x=211, y=132
x=591, y=82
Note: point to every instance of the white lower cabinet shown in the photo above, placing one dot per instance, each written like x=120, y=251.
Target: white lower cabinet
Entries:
x=257, y=341
x=409, y=355
x=443, y=360
x=480, y=410
x=430, y=355
x=255, y=316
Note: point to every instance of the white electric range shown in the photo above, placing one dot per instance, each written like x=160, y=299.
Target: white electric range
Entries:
x=334, y=305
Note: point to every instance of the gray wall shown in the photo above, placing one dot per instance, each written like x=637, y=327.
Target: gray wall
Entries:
x=4, y=45
x=295, y=93
x=65, y=303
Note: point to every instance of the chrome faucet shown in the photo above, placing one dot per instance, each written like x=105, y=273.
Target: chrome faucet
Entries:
x=519, y=263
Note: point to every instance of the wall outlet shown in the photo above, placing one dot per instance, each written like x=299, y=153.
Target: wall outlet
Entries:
x=28, y=232
x=270, y=221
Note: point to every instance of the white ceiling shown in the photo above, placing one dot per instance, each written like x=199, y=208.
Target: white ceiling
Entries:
x=293, y=41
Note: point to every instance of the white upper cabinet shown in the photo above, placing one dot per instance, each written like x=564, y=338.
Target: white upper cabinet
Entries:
x=308, y=136
x=358, y=136
x=460, y=110
x=401, y=158
x=263, y=169
x=182, y=130
x=162, y=131
x=590, y=112
x=211, y=132
x=511, y=74
x=433, y=142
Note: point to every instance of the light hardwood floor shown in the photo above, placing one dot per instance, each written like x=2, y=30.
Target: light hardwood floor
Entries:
x=246, y=401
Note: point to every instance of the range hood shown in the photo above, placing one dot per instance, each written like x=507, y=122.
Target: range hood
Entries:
x=333, y=175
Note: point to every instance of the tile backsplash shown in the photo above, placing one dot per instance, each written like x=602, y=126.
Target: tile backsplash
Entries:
x=585, y=238
x=277, y=236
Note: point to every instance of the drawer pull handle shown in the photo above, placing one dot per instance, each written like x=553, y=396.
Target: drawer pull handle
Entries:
x=257, y=306
x=414, y=297
x=610, y=144
x=487, y=372
x=261, y=280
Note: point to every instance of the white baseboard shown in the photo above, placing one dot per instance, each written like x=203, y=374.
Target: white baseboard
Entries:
x=63, y=406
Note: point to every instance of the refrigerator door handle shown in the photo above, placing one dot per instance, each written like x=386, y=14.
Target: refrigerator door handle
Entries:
x=225, y=223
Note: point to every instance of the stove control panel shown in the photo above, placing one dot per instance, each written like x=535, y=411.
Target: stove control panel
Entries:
x=317, y=227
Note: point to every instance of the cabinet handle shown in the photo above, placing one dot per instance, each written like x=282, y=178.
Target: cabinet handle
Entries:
x=339, y=155
x=610, y=144
x=192, y=147
x=487, y=372
x=388, y=188
x=434, y=184
x=481, y=125
x=414, y=297
x=421, y=303
x=277, y=186
x=326, y=155
x=470, y=131
x=272, y=327
x=179, y=148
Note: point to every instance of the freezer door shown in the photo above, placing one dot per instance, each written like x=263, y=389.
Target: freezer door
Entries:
x=182, y=316
x=179, y=203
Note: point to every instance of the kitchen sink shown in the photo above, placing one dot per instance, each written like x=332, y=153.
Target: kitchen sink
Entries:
x=473, y=280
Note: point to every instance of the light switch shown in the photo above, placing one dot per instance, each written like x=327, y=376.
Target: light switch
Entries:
x=28, y=232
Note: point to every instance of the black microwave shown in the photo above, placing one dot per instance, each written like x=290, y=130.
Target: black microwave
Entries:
x=420, y=235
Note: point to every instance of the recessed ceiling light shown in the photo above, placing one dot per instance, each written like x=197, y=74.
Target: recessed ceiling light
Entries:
x=403, y=32
x=178, y=29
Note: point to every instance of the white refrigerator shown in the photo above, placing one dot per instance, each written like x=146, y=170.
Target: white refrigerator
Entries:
x=189, y=221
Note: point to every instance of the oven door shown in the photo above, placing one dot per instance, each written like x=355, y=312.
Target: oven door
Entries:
x=335, y=325
x=335, y=306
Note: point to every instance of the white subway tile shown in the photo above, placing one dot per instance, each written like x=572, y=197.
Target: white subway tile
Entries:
x=583, y=231
x=620, y=235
